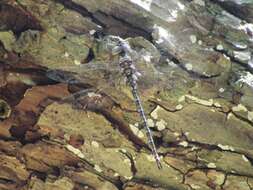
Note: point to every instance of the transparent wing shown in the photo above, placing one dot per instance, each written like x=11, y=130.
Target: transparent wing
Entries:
x=100, y=78
x=110, y=74
x=107, y=79
x=97, y=75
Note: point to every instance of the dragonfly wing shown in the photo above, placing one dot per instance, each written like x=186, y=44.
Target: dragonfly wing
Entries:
x=108, y=78
x=61, y=76
x=101, y=76
x=111, y=72
x=161, y=81
x=90, y=72
x=77, y=95
x=150, y=76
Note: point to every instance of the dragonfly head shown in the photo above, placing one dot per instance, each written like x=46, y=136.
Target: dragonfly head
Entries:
x=115, y=45
x=125, y=46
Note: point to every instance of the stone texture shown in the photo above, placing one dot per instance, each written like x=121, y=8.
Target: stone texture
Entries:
x=68, y=121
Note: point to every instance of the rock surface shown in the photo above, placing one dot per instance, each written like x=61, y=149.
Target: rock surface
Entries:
x=68, y=121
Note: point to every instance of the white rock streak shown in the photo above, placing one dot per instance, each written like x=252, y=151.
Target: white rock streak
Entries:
x=246, y=27
x=145, y=4
x=211, y=165
x=160, y=34
x=154, y=113
x=161, y=125
x=247, y=78
x=193, y=38
x=163, y=36
x=180, y=5
x=75, y=151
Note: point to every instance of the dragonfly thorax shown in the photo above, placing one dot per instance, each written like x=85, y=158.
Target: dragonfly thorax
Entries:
x=128, y=69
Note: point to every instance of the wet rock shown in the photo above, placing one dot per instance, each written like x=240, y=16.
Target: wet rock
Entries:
x=76, y=140
x=216, y=178
x=82, y=25
x=199, y=101
x=79, y=126
x=242, y=9
x=151, y=172
x=100, y=133
x=75, y=151
x=8, y=39
x=170, y=137
x=230, y=28
x=5, y=133
x=74, y=46
x=91, y=180
x=44, y=157
x=233, y=183
x=5, y=109
x=63, y=183
x=197, y=179
x=25, y=114
x=244, y=86
x=10, y=147
x=217, y=126
x=117, y=22
x=36, y=184
x=59, y=47
x=27, y=40
x=17, y=19
x=116, y=26
x=135, y=186
x=60, y=39
x=193, y=62
x=13, y=172
x=243, y=57
x=219, y=160
x=146, y=49
x=161, y=125
x=180, y=164
x=201, y=118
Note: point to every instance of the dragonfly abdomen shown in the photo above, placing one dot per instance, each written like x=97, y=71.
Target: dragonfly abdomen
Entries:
x=131, y=74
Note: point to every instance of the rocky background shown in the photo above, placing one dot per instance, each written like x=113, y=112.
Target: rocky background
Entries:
x=200, y=109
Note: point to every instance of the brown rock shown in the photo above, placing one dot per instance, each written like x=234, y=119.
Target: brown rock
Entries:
x=13, y=172
x=76, y=141
x=44, y=157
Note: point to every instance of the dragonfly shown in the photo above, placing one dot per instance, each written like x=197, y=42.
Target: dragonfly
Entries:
x=124, y=66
